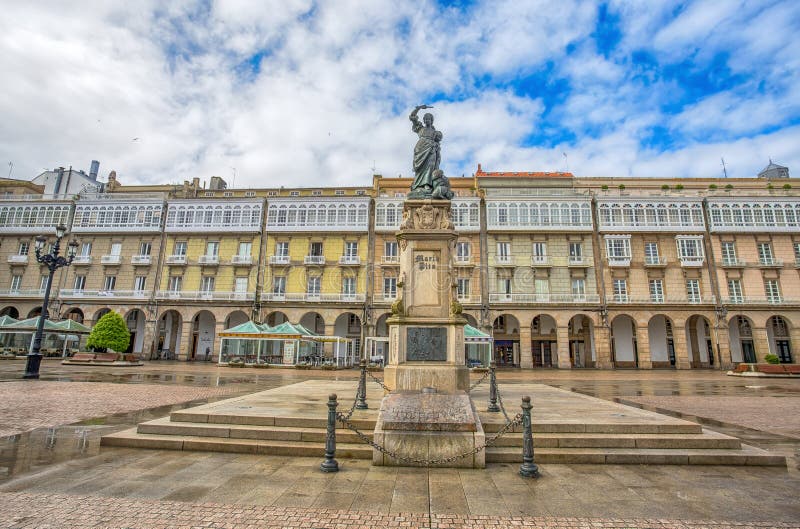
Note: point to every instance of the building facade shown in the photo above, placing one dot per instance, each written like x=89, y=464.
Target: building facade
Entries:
x=564, y=272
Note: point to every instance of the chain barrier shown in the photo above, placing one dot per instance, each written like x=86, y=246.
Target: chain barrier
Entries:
x=500, y=402
x=516, y=421
x=479, y=382
x=378, y=381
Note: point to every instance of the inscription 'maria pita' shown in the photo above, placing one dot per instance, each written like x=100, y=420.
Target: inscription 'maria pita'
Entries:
x=426, y=344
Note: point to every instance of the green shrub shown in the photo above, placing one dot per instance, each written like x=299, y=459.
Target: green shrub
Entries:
x=787, y=187
x=665, y=187
x=679, y=187
x=728, y=187
x=622, y=187
x=770, y=187
x=712, y=186
x=772, y=359
x=110, y=333
x=604, y=187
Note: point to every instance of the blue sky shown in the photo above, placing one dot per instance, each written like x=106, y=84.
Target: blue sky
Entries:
x=319, y=92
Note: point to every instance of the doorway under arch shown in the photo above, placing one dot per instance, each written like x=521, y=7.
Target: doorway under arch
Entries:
x=581, y=341
x=10, y=311
x=699, y=342
x=740, y=331
x=623, y=333
x=275, y=318
x=169, y=335
x=505, y=329
x=203, y=333
x=778, y=336
x=544, y=344
x=74, y=314
x=661, y=340
x=135, y=321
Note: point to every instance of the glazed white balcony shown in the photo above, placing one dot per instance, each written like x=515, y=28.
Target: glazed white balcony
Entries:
x=82, y=260
x=654, y=261
x=619, y=261
x=104, y=294
x=692, y=261
x=112, y=215
x=141, y=259
x=314, y=259
x=390, y=259
x=208, y=260
x=350, y=260
x=18, y=259
x=322, y=298
x=539, y=260
x=205, y=295
x=279, y=259
x=176, y=259
x=35, y=293
x=242, y=260
x=543, y=298
x=111, y=259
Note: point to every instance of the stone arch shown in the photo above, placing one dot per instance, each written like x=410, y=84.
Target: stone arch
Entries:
x=778, y=336
x=700, y=341
x=10, y=311
x=580, y=332
x=661, y=340
x=505, y=329
x=74, y=314
x=740, y=333
x=135, y=320
x=623, y=341
x=544, y=343
x=35, y=311
x=313, y=321
x=168, y=340
x=235, y=318
x=100, y=313
x=203, y=334
x=275, y=318
x=471, y=320
x=381, y=327
x=348, y=325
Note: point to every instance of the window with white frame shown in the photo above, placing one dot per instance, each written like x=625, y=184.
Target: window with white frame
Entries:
x=145, y=248
x=179, y=249
x=351, y=249
x=540, y=251
x=175, y=284
x=240, y=285
x=315, y=249
x=578, y=287
x=43, y=281
x=207, y=284
x=79, y=283
x=693, y=290
x=462, y=286
x=541, y=287
x=109, y=283
x=390, y=249
x=504, y=251
x=772, y=290
x=618, y=248
x=16, y=282
x=735, y=290
x=463, y=251
x=139, y=283
x=389, y=287
x=349, y=286
x=796, y=247
x=86, y=249
x=116, y=248
x=245, y=249
x=657, y=290
x=575, y=251
x=212, y=249
x=728, y=249
x=690, y=248
x=24, y=247
x=620, y=290
x=282, y=249
x=313, y=285
x=651, y=256
x=504, y=286
x=279, y=285
x=765, y=255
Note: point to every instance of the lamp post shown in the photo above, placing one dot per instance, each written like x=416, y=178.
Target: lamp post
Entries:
x=53, y=262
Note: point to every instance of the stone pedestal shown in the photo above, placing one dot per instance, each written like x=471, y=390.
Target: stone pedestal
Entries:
x=426, y=350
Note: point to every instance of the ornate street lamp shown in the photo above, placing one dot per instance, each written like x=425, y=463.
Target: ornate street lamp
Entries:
x=53, y=262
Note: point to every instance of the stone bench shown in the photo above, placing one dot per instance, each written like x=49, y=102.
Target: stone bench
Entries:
x=105, y=357
x=82, y=357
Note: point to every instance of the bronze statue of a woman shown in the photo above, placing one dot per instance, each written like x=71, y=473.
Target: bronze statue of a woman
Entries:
x=427, y=154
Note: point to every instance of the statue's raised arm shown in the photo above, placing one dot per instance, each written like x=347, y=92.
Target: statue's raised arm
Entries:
x=415, y=122
x=427, y=155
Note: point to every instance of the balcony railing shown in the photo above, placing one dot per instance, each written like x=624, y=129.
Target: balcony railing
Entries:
x=111, y=259
x=34, y=293
x=82, y=260
x=18, y=259
x=390, y=259
x=306, y=296
x=279, y=259
x=206, y=295
x=619, y=261
x=741, y=300
x=543, y=298
x=350, y=260
x=141, y=259
x=692, y=261
x=655, y=261
x=102, y=294
x=576, y=260
x=770, y=263
x=314, y=259
x=176, y=259
x=503, y=260
x=242, y=260
x=208, y=260
x=733, y=263
x=539, y=260
x=661, y=300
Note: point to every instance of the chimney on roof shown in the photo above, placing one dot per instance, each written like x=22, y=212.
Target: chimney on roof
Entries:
x=217, y=184
x=479, y=168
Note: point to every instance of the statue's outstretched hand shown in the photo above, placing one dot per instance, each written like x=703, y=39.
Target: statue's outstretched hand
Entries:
x=422, y=107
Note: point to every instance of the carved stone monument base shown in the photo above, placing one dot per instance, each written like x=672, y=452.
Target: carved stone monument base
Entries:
x=412, y=376
x=428, y=427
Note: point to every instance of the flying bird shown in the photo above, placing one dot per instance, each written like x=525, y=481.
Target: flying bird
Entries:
x=135, y=139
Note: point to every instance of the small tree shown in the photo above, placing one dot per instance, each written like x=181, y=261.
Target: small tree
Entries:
x=110, y=333
x=712, y=187
x=728, y=187
x=679, y=187
x=622, y=187
x=787, y=187
x=665, y=187
x=604, y=187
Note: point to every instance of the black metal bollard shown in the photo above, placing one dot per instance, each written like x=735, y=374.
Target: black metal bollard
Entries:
x=330, y=464
x=361, y=398
x=528, y=469
x=493, y=407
